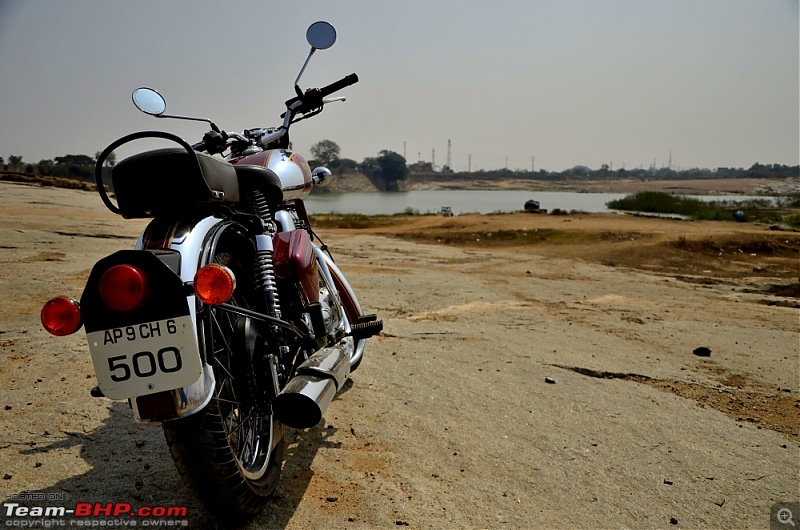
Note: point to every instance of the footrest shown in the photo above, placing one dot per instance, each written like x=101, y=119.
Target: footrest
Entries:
x=365, y=330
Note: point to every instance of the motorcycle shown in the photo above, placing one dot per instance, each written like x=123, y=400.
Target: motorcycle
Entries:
x=227, y=321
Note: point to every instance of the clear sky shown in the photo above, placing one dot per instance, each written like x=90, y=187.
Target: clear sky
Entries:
x=569, y=82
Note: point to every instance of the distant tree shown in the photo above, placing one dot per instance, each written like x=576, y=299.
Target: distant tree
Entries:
x=578, y=171
x=2, y=161
x=75, y=160
x=370, y=167
x=14, y=161
x=393, y=169
x=347, y=163
x=45, y=167
x=326, y=152
x=74, y=166
x=110, y=160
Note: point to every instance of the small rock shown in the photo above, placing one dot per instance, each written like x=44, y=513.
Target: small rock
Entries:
x=332, y=498
x=400, y=523
x=702, y=351
x=8, y=407
x=7, y=476
x=672, y=520
x=668, y=482
x=549, y=380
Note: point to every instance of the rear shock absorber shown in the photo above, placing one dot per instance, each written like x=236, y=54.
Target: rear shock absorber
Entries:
x=264, y=270
x=265, y=275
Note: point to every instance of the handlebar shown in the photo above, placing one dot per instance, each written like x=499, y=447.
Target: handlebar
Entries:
x=346, y=81
x=310, y=101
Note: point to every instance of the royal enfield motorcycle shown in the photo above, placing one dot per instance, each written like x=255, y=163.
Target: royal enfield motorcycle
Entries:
x=227, y=321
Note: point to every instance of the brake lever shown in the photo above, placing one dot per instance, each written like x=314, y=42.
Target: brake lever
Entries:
x=237, y=136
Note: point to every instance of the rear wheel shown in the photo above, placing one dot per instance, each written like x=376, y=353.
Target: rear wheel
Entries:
x=231, y=452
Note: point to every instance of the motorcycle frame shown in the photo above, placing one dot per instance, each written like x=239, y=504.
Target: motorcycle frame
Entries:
x=195, y=242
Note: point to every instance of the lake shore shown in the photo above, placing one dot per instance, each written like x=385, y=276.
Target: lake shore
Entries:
x=356, y=182
x=683, y=187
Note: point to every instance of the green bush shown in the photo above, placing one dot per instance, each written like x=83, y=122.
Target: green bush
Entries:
x=761, y=210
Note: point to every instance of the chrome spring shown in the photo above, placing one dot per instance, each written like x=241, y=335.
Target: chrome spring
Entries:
x=264, y=272
x=258, y=204
x=265, y=282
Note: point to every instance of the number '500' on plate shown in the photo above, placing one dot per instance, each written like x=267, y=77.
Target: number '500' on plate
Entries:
x=145, y=358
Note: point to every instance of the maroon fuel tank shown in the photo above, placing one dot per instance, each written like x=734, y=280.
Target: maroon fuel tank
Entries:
x=294, y=258
x=290, y=167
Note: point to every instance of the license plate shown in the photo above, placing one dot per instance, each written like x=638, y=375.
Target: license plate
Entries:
x=145, y=358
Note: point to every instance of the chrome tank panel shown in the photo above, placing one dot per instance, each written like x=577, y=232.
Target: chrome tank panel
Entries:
x=291, y=168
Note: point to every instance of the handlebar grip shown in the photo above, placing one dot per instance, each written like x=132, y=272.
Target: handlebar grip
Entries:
x=338, y=85
x=199, y=146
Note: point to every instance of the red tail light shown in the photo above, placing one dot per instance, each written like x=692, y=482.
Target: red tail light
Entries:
x=124, y=288
x=61, y=316
x=214, y=284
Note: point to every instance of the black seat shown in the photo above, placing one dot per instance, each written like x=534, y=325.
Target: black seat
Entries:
x=253, y=177
x=163, y=180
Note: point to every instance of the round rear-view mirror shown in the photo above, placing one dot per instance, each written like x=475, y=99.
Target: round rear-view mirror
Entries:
x=149, y=101
x=321, y=35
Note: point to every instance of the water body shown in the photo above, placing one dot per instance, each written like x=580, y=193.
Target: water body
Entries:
x=470, y=201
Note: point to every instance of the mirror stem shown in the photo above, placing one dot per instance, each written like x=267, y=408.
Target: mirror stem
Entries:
x=175, y=116
x=303, y=69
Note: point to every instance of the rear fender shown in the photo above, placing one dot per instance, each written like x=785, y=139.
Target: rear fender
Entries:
x=192, y=240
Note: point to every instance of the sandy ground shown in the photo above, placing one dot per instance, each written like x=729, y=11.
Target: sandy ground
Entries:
x=535, y=372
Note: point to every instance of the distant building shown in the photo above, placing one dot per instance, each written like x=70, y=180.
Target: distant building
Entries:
x=420, y=167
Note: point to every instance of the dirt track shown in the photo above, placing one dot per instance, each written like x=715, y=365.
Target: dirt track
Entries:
x=549, y=385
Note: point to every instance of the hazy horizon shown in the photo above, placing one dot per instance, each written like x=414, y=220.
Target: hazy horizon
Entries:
x=714, y=83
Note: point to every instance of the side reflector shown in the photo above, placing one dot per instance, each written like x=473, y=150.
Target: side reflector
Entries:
x=61, y=316
x=124, y=288
x=214, y=284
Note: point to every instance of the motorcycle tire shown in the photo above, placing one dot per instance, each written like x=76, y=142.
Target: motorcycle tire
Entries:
x=226, y=452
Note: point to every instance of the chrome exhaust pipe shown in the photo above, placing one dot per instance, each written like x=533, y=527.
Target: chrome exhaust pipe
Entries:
x=306, y=397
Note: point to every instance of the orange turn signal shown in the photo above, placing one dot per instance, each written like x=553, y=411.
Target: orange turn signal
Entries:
x=214, y=284
x=61, y=316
